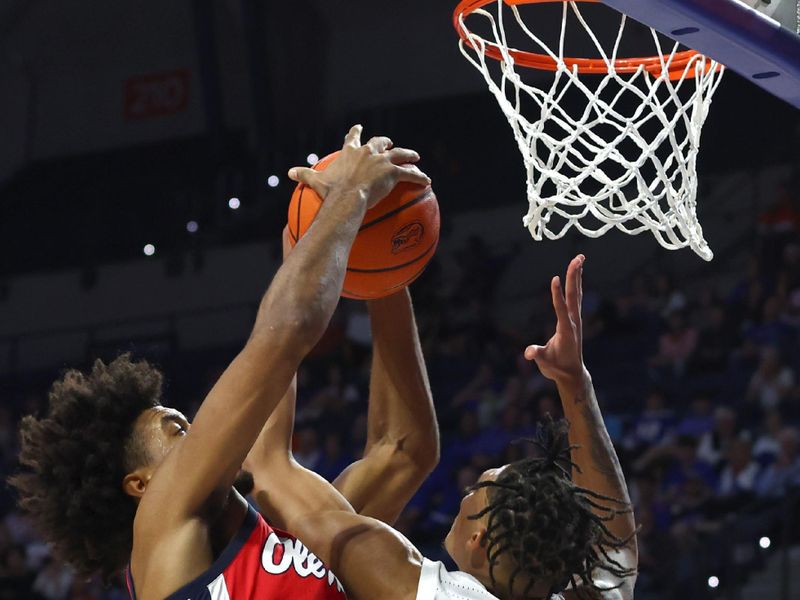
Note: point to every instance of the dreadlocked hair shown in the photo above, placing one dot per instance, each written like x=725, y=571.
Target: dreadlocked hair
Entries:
x=73, y=461
x=551, y=530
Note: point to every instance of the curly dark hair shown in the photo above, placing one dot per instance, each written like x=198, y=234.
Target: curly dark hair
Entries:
x=552, y=530
x=73, y=461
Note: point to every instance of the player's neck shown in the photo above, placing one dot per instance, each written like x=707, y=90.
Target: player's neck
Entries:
x=226, y=521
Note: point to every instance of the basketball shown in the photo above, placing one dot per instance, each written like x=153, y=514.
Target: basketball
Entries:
x=394, y=245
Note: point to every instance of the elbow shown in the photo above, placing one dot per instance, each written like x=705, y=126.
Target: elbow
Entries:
x=306, y=327
x=433, y=453
x=429, y=452
x=424, y=455
x=415, y=458
x=426, y=462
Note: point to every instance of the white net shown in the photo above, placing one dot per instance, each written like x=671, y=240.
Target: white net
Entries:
x=611, y=150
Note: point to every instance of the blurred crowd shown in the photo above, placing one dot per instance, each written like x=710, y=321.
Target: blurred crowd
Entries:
x=698, y=383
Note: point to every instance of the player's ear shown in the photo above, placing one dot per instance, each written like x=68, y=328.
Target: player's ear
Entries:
x=134, y=484
x=476, y=547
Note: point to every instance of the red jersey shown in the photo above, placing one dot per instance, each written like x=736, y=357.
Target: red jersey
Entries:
x=261, y=563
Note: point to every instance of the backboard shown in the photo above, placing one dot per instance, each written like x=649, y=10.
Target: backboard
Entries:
x=756, y=38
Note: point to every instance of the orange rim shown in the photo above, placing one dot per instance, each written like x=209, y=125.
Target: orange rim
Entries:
x=544, y=62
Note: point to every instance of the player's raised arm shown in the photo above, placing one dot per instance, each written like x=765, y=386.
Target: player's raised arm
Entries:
x=561, y=360
x=272, y=465
x=403, y=436
x=292, y=316
x=368, y=556
x=303, y=503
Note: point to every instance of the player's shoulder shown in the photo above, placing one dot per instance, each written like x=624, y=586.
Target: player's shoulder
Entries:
x=437, y=583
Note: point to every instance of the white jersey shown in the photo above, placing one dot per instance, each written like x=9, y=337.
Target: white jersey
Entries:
x=437, y=583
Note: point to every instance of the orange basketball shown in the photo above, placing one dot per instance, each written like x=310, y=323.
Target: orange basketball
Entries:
x=393, y=246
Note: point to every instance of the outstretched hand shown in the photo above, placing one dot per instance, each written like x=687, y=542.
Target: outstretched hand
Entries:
x=373, y=169
x=561, y=359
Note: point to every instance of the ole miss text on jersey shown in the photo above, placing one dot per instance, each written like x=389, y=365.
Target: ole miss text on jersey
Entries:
x=261, y=563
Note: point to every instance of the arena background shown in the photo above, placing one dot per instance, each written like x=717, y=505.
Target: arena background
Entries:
x=121, y=122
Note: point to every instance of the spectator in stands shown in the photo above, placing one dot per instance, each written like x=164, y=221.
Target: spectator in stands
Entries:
x=747, y=296
x=784, y=215
x=675, y=347
x=357, y=440
x=772, y=382
x=767, y=445
x=789, y=277
x=779, y=224
x=738, y=477
x=652, y=425
x=685, y=475
x=716, y=338
x=513, y=424
x=656, y=554
x=647, y=496
x=668, y=300
x=16, y=579
x=330, y=402
x=772, y=330
x=459, y=448
x=477, y=390
x=785, y=471
x=700, y=420
x=791, y=314
x=306, y=447
x=715, y=444
x=19, y=528
x=531, y=379
x=333, y=459
x=54, y=581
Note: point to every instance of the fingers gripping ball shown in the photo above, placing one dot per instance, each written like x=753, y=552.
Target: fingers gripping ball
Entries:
x=397, y=239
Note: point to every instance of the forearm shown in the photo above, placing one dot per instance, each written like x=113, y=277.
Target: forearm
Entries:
x=292, y=316
x=286, y=492
x=306, y=289
x=307, y=506
x=403, y=437
x=274, y=443
x=401, y=406
x=600, y=470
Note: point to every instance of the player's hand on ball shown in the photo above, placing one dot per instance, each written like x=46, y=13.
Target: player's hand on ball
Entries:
x=373, y=169
x=561, y=359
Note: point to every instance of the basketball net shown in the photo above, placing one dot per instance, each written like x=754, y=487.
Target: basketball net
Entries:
x=593, y=167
